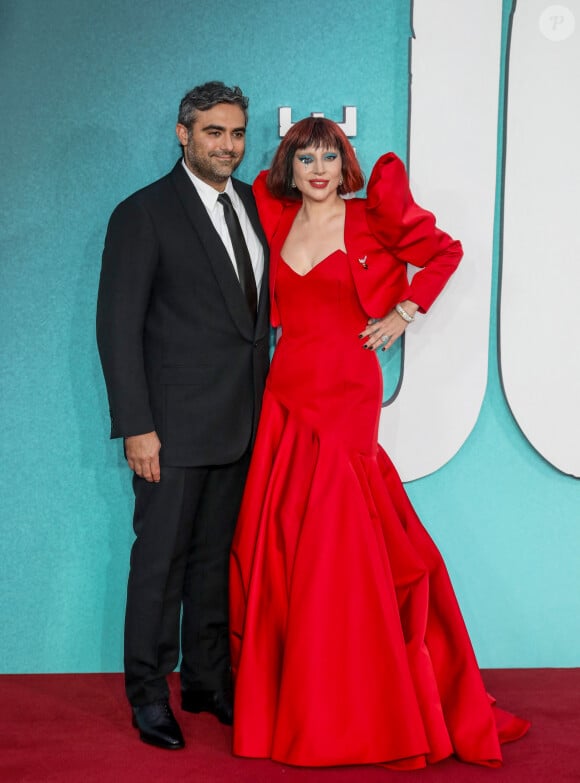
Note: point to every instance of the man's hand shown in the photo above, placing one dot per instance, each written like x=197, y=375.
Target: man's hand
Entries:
x=142, y=452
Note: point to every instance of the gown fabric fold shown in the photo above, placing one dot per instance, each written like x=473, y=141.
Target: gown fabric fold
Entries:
x=348, y=645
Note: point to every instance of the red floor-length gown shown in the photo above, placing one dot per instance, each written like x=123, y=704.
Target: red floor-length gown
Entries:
x=348, y=646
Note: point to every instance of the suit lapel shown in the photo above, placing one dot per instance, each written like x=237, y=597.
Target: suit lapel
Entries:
x=250, y=207
x=252, y=212
x=215, y=251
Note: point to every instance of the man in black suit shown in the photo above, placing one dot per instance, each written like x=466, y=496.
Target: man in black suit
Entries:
x=182, y=329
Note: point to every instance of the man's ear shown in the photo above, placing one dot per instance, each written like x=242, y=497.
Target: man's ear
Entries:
x=182, y=134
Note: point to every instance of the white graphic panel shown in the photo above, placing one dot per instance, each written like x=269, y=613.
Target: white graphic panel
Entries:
x=540, y=281
x=453, y=139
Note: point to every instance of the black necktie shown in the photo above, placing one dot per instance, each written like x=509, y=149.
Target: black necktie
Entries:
x=241, y=252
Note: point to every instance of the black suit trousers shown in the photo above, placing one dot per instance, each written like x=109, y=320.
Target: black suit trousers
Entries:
x=179, y=566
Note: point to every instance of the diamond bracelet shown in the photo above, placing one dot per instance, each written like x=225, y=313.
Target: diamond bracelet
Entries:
x=404, y=314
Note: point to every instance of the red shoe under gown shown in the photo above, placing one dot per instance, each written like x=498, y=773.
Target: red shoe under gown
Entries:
x=348, y=645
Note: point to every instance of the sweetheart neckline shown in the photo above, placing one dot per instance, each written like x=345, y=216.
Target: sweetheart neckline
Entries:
x=317, y=264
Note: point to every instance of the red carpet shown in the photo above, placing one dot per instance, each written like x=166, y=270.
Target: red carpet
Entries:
x=75, y=728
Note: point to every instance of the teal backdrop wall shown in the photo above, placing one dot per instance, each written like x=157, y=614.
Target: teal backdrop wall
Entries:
x=89, y=95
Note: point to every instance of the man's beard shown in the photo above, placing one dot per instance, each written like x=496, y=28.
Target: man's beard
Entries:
x=210, y=167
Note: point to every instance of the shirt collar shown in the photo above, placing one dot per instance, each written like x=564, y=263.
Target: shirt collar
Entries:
x=207, y=194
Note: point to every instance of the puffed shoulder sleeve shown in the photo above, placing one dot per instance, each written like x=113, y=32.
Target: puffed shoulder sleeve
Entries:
x=408, y=231
x=269, y=208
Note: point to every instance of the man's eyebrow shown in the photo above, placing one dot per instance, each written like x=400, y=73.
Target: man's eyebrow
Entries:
x=222, y=128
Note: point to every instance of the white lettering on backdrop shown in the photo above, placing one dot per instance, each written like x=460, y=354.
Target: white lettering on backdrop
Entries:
x=540, y=278
x=453, y=151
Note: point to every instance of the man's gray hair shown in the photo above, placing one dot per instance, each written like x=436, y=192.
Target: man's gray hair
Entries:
x=205, y=97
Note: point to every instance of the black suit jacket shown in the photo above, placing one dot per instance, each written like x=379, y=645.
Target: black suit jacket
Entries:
x=179, y=349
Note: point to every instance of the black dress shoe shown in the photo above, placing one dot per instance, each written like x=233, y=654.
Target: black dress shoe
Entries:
x=157, y=725
x=219, y=703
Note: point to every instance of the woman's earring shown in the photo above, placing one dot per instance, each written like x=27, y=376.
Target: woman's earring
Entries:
x=293, y=184
x=340, y=182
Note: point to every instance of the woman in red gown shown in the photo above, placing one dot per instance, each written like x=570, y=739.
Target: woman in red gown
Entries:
x=348, y=646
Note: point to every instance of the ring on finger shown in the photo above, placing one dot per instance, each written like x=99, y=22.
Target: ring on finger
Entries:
x=385, y=338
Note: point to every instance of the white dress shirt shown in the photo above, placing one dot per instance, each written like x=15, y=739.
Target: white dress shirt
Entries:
x=215, y=210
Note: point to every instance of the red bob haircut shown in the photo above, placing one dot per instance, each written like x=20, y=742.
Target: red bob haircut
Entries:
x=320, y=133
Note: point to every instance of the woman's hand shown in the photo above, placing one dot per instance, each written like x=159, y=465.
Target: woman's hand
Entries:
x=383, y=332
